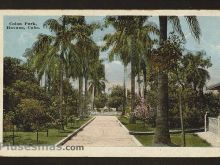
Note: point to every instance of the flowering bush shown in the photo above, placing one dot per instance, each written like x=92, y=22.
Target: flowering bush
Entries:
x=143, y=111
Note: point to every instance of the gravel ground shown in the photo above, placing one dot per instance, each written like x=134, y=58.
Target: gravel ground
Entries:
x=210, y=137
x=103, y=131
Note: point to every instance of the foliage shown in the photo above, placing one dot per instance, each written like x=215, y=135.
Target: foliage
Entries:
x=172, y=48
x=143, y=111
x=188, y=79
x=116, y=96
x=17, y=76
x=33, y=114
x=29, y=138
x=128, y=43
x=21, y=90
x=15, y=69
x=101, y=100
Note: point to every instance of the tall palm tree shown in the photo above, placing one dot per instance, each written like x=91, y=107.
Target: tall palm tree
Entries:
x=125, y=58
x=97, y=80
x=162, y=135
x=84, y=52
x=55, y=48
x=128, y=38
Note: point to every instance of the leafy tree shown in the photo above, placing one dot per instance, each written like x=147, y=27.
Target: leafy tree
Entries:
x=22, y=90
x=101, y=100
x=184, y=89
x=116, y=96
x=15, y=69
x=10, y=120
x=33, y=114
x=162, y=135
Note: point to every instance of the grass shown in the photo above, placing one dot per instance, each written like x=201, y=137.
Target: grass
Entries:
x=192, y=140
x=30, y=138
x=139, y=126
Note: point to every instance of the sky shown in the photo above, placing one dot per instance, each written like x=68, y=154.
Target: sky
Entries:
x=17, y=40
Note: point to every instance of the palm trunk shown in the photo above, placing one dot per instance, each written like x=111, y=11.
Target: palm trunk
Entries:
x=139, y=84
x=61, y=93
x=132, y=117
x=162, y=135
x=61, y=81
x=93, y=97
x=86, y=94
x=124, y=97
x=80, y=96
x=144, y=71
x=49, y=83
x=145, y=81
x=45, y=82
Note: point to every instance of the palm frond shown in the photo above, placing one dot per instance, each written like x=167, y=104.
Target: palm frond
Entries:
x=53, y=25
x=174, y=20
x=194, y=26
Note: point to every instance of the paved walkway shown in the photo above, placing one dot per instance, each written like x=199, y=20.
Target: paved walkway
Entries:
x=104, y=131
x=210, y=137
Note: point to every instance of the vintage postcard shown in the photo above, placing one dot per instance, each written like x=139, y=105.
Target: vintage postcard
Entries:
x=100, y=83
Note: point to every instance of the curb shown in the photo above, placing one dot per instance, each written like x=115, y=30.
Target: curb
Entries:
x=63, y=141
x=171, y=132
x=135, y=140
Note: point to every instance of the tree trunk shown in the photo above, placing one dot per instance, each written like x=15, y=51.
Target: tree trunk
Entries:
x=86, y=95
x=181, y=120
x=49, y=83
x=93, y=97
x=145, y=81
x=139, y=84
x=61, y=92
x=45, y=82
x=37, y=137
x=124, y=92
x=132, y=117
x=80, y=96
x=13, y=135
x=162, y=135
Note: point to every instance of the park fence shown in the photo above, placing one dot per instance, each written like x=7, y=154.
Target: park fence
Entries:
x=212, y=124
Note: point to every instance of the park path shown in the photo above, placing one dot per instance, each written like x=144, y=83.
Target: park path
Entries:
x=103, y=131
x=210, y=137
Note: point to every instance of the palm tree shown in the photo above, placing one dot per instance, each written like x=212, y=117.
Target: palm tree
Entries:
x=53, y=50
x=123, y=56
x=162, y=135
x=128, y=38
x=84, y=52
x=196, y=67
x=97, y=80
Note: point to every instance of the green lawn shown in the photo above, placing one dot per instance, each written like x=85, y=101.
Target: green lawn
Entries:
x=139, y=126
x=192, y=140
x=29, y=138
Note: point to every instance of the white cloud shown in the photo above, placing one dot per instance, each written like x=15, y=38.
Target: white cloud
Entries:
x=25, y=37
